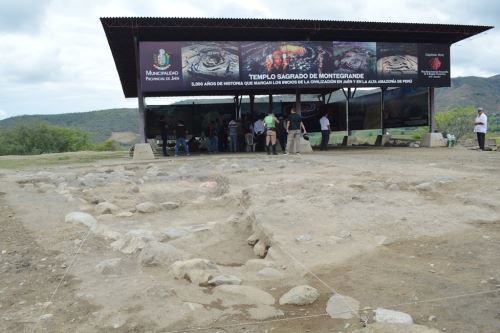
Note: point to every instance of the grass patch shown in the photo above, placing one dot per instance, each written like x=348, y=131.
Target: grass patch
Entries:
x=18, y=162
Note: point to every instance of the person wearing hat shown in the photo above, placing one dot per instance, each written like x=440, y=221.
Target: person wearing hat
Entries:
x=481, y=126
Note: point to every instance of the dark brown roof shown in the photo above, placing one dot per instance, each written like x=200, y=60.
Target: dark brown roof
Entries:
x=121, y=31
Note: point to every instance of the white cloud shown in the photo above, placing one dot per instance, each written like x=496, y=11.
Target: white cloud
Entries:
x=55, y=57
x=3, y=114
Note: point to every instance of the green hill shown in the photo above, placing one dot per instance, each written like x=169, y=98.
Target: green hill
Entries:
x=101, y=124
x=470, y=91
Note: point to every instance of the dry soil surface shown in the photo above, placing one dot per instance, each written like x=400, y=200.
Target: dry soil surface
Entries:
x=113, y=246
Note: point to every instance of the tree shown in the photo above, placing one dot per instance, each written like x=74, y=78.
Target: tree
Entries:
x=41, y=138
x=457, y=121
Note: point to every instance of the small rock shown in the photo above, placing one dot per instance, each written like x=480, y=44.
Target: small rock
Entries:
x=424, y=187
x=242, y=295
x=345, y=234
x=304, y=238
x=342, y=307
x=172, y=233
x=270, y=273
x=125, y=214
x=159, y=291
x=109, y=266
x=80, y=218
x=224, y=279
x=258, y=264
x=169, y=205
x=260, y=249
x=133, y=241
x=208, y=186
x=147, y=207
x=252, y=240
x=392, y=317
x=432, y=318
x=155, y=253
x=300, y=295
x=197, y=271
x=106, y=208
x=105, y=231
x=47, y=316
x=193, y=306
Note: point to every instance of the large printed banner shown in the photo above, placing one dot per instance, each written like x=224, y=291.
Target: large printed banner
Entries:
x=206, y=66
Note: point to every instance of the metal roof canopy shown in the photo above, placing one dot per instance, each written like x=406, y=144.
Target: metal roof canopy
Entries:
x=123, y=32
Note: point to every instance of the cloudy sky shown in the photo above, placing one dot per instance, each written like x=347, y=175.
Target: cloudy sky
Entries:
x=54, y=56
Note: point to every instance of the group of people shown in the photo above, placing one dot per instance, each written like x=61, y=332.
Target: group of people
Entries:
x=180, y=131
x=288, y=132
x=265, y=132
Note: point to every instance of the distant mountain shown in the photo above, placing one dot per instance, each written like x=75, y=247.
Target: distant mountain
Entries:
x=470, y=91
x=101, y=124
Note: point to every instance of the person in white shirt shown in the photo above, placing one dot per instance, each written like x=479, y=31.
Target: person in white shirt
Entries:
x=480, y=128
x=325, y=131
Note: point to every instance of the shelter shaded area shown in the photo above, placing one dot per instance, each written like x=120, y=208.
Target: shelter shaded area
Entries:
x=151, y=56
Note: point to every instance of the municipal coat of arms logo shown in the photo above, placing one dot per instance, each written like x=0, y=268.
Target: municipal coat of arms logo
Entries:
x=161, y=60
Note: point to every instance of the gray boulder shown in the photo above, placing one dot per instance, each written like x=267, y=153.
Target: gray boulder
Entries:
x=300, y=295
x=342, y=307
x=106, y=208
x=147, y=207
x=80, y=218
x=197, y=271
x=155, y=253
x=109, y=266
x=392, y=317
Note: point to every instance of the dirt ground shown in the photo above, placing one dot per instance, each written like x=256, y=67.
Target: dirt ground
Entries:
x=411, y=230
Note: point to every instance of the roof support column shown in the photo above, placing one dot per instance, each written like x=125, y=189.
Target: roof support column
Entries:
x=348, y=95
x=432, y=124
x=382, y=138
x=270, y=106
x=237, y=104
x=252, y=110
x=140, y=95
x=297, y=104
x=382, y=108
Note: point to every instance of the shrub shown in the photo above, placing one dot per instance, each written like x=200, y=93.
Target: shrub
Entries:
x=42, y=138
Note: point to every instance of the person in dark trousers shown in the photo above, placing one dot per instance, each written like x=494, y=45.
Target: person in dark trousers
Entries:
x=282, y=134
x=481, y=126
x=271, y=122
x=222, y=134
x=180, y=138
x=293, y=127
x=325, y=131
x=212, y=137
x=164, y=134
